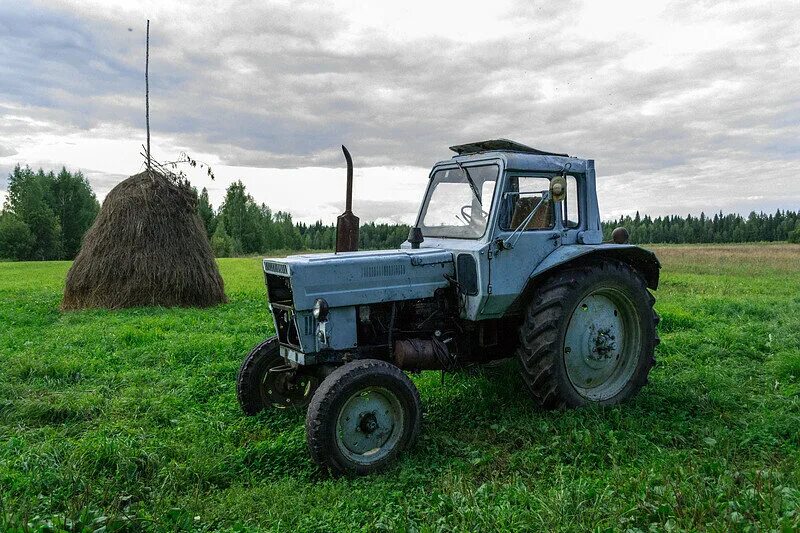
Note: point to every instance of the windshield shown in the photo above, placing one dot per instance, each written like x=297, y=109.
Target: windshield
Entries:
x=458, y=202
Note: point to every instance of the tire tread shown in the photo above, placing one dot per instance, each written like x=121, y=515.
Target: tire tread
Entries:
x=248, y=379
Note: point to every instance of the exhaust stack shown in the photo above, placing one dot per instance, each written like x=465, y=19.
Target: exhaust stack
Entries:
x=347, y=223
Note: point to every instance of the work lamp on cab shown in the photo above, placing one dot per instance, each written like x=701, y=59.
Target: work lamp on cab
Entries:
x=320, y=311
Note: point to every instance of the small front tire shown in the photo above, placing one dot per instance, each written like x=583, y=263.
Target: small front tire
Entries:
x=265, y=380
x=362, y=416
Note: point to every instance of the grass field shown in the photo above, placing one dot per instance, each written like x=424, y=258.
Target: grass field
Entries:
x=129, y=419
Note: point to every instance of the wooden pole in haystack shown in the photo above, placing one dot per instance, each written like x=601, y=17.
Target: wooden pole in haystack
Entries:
x=147, y=93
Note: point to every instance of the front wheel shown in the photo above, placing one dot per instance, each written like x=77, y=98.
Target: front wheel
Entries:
x=266, y=380
x=588, y=337
x=362, y=416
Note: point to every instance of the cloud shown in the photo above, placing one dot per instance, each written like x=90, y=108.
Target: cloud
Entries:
x=684, y=105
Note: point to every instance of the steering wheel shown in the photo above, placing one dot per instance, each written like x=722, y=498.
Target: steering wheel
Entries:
x=468, y=216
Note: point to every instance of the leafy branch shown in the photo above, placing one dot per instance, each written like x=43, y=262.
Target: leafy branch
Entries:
x=171, y=170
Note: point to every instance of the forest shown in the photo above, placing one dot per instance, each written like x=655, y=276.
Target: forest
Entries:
x=243, y=227
x=720, y=228
x=46, y=215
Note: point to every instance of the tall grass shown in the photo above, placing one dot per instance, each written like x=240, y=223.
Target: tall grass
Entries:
x=128, y=420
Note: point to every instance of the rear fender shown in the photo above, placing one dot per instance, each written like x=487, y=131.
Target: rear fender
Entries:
x=641, y=260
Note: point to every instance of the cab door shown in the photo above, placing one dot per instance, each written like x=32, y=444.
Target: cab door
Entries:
x=510, y=268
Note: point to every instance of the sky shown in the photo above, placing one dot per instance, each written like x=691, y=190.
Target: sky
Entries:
x=685, y=106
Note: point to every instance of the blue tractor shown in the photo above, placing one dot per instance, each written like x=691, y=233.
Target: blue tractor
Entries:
x=506, y=259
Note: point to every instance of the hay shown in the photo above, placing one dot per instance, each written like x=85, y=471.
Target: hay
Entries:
x=147, y=247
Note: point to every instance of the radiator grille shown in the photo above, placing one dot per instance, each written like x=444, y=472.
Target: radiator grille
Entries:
x=378, y=271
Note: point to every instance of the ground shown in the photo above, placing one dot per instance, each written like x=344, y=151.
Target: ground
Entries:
x=130, y=419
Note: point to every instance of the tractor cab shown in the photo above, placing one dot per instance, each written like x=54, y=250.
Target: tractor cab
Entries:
x=502, y=208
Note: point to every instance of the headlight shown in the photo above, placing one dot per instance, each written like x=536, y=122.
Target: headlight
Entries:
x=320, y=311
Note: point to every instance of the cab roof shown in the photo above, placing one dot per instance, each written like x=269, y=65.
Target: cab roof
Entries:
x=519, y=157
x=499, y=145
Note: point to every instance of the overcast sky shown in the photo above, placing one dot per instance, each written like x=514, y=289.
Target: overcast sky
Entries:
x=685, y=106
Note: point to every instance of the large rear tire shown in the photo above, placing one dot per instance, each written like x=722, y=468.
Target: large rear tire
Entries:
x=362, y=416
x=588, y=337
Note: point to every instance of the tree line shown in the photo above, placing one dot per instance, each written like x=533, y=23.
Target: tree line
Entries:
x=46, y=215
x=756, y=227
x=243, y=227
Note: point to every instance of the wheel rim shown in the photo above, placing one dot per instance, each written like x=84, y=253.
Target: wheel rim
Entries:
x=602, y=344
x=289, y=388
x=370, y=425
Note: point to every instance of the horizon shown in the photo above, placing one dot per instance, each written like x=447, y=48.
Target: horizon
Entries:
x=216, y=207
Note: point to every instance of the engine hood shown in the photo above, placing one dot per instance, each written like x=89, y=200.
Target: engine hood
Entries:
x=357, y=278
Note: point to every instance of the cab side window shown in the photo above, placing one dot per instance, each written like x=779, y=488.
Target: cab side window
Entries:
x=524, y=195
x=571, y=213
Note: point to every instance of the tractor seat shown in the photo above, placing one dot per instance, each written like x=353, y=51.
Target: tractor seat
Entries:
x=543, y=219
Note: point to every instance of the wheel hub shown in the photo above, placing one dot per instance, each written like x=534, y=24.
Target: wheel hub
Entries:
x=604, y=345
x=600, y=345
x=369, y=423
x=284, y=387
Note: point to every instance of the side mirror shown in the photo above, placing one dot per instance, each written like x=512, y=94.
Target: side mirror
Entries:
x=558, y=188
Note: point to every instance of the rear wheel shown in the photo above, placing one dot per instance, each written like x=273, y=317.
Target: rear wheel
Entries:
x=362, y=416
x=266, y=380
x=588, y=337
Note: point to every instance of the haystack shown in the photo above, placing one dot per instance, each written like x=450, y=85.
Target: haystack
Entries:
x=147, y=246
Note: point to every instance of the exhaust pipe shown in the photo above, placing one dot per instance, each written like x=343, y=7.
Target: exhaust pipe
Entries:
x=347, y=223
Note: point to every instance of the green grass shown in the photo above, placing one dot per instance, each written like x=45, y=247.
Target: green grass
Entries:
x=129, y=419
